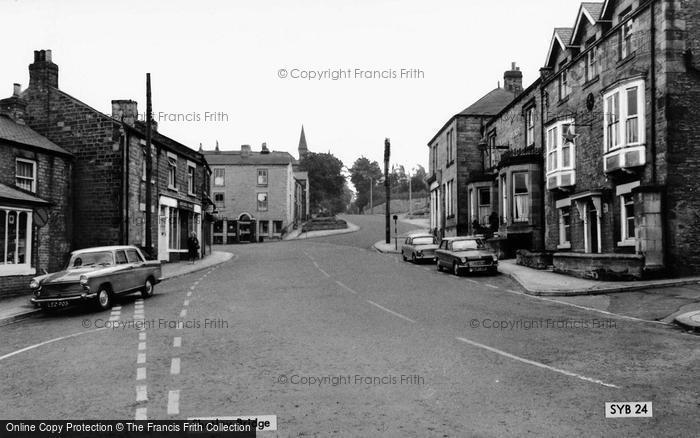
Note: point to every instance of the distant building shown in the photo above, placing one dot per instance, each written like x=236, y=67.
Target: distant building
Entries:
x=109, y=181
x=456, y=160
x=256, y=193
x=35, y=198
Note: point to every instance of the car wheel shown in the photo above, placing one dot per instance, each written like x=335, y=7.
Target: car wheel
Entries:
x=414, y=259
x=104, y=298
x=148, y=289
x=403, y=256
x=455, y=269
x=439, y=266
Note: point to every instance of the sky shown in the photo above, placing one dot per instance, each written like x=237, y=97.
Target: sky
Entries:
x=242, y=72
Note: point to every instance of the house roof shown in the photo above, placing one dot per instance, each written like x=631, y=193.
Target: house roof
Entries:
x=235, y=158
x=23, y=134
x=591, y=11
x=8, y=193
x=491, y=103
x=562, y=37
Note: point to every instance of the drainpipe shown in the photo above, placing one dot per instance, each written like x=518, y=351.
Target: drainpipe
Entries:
x=543, y=176
x=124, y=139
x=652, y=85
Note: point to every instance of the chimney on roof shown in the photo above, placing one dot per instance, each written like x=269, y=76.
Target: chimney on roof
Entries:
x=245, y=150
x=513, y=79
x=14, y=106
x=216, y=149
x=264, y=149
x=43, y=72
x=125, y=111
x=200, y=150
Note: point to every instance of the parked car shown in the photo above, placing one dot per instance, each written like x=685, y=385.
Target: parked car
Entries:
x=97, y=275
x=418, y=247
x=467, y=253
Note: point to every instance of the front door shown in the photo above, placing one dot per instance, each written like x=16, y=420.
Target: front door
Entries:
x=593, y=228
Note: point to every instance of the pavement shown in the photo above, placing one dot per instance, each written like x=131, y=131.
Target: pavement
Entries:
x=13, y=309
x=336, y=339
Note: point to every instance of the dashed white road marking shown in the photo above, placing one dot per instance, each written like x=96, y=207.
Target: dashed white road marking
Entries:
x=491, y=286
x=142, y=336
x=141, y=358
x=177, y=341
x=534, y=363
x=186, y=303
x=345, y=287
x=192, y=288
x=391, y=311
x=472, y=281
x=173, y=402
x=141, y=393
x=183, y=313
x=189, y=294
x=175, y=366
x=142, y=345
x=324, y=273
x=141, y=414
x=141, y=373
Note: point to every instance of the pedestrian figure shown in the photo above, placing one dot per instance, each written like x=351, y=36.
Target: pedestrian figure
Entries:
x=193, y=246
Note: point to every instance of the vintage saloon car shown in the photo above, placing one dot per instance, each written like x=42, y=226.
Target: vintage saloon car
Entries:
x=97, y=275
x=419, y=247
x=465, y=253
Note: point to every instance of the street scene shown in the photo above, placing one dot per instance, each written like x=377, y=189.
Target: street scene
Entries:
x=354, y=218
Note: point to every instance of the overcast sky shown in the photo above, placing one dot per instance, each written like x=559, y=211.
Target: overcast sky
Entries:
x=226, y=56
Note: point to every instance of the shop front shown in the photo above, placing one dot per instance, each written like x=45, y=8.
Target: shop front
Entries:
x=177, y=220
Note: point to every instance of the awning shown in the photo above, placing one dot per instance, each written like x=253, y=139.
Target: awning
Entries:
x=15, y=196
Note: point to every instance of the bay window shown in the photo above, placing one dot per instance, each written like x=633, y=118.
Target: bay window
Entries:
x=624, y=115
x=521, y=197
x=560, y=146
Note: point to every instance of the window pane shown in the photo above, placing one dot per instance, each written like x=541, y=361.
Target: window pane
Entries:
x=11, y=236
x=566, y=154
x=632, y=101
x=120, y=257
x=520, y=182
x=484, y=196
x=22, y=238
x=632, y=129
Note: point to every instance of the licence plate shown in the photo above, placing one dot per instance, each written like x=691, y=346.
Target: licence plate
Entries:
x=479, y=268
x=56, y=304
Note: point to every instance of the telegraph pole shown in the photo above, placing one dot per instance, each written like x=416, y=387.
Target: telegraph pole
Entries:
x=149, y=164
x=387, y=189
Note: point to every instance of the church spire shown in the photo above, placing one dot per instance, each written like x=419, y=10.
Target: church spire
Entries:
x=303, y=149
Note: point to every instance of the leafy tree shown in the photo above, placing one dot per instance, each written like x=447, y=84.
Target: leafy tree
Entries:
x=364, y=174
x=418, y=179
x=326, y=181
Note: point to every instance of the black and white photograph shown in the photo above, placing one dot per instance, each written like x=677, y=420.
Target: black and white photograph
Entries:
x=351, y=218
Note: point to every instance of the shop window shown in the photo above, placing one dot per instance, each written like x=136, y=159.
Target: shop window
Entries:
x=264, y=228
x=15, y=241
x=173, y=227
x=277, y=227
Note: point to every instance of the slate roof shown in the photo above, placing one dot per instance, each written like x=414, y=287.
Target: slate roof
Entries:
x=565, y=34
x=12, y=194
x=23, y=134
x=235, y=158
x=491, y=103
x=595, y=9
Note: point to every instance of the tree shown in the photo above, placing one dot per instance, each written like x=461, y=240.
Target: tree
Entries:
x=418, y=179
x=363, y=175
x=326, y=182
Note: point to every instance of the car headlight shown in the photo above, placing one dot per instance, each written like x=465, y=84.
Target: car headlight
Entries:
x=34, y=284
x=464, y=260
x=83, y=279
x=495, y=258
x=420, y=253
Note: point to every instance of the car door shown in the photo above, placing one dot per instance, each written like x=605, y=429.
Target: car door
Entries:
x=121, y=278
x=442, y=253
x=139, y=270
x=406, y=247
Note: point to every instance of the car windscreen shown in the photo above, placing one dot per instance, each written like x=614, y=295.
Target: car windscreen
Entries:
x=463, y=245
x=423, y=241
x=97, y=258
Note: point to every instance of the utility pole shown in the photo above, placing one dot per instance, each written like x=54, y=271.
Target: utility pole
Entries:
x=371, y=189
x=410, y=200
x=149, y=165
x=387, y=189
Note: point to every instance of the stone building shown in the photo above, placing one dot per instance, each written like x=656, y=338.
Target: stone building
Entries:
x=621, y=97
x=35, y=198
x=109, y=182
x=455, y=159
x=257, y=193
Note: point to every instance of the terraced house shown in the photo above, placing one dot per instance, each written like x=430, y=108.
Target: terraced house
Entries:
x=109, y=179
x=621, y=97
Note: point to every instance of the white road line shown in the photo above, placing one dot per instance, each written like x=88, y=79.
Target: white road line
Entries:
x=472, y=281
x=141, y=393
x=189, y=294
x=117, y=308
x=183, y=313
x=114, y=318
x=186, y=303
x=175, y=366
x=316, y=264
x=491, y=286
x=141, y=358
x=141, y=373
x=391, y=311
x=173, y=402
x=116, y=312
x=191, y=287
x=141, y=414
x=142, y=345
x=31, y=347
x=324, y=273
x=177, y=341
x=142, y=336
x=537, y=364
x=345, y=287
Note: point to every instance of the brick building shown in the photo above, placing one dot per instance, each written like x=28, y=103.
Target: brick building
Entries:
x=35, y=196
x=456, y=160
x=622, y=94
x=108, y=176
x=257, y=194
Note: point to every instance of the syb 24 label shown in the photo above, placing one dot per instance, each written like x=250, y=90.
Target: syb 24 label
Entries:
x=628, y=409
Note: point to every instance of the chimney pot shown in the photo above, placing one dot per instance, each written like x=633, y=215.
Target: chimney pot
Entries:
x=48, y=56
x=245, y=150
x=16, y=90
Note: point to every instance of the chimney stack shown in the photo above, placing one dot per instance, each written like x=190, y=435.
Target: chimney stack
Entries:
x=264, y=149
x=43, y=73
x=125, y=111
x=14, y=106
x=513, y=79
x=245, y=150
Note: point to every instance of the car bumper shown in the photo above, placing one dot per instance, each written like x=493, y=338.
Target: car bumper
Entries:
x=70, y=299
